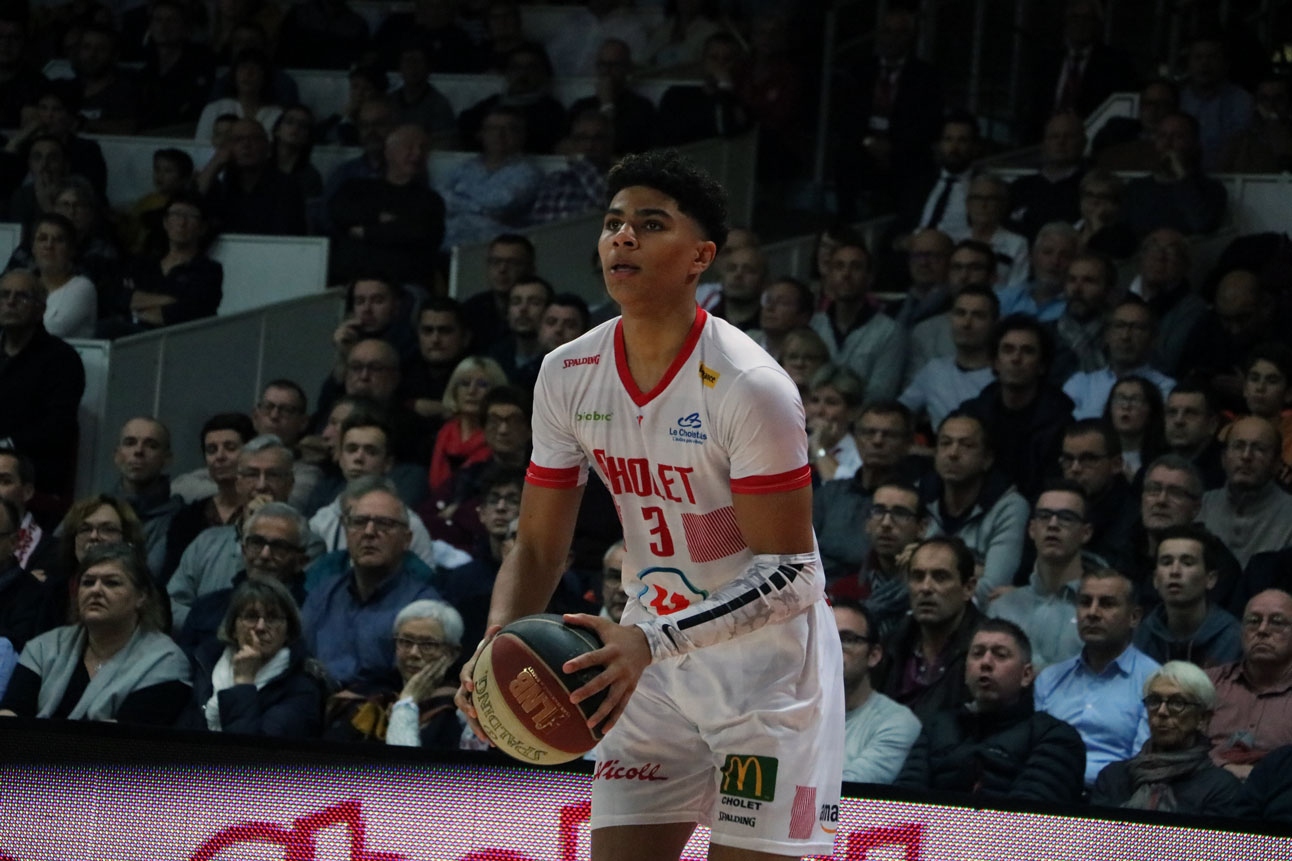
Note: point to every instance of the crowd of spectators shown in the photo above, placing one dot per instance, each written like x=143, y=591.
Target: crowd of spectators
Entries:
x=1052, y=465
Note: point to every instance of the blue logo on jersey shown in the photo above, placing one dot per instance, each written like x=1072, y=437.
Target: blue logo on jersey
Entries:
x=688, y=430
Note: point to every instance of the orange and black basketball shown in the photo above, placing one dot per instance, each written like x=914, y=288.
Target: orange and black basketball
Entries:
x=522, y=696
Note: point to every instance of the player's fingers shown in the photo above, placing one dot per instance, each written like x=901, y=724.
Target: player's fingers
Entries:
x=597, y=683
x=612, y=707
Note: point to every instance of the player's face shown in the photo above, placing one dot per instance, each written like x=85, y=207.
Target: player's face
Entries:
x=652, y=254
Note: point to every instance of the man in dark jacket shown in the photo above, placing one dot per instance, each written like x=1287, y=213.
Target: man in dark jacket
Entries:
x=997, y=745
x=22, y=598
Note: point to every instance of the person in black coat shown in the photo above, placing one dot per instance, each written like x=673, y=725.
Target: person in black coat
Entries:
x=256, y=678
x=997, y=745
x=1174, y=772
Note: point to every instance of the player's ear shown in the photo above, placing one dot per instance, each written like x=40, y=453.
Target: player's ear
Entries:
x=705, y=252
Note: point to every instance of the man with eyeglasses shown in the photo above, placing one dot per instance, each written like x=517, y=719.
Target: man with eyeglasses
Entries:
x=23, y=603
x=372, y=370
x=1251, y=513
x=142, y=454
x=41, y=383
x=264, y=475
x=348, y=619
x=1253, y=713
x=1128, y=341
x=1098, y=691
x=1187, y=625
x=1046, y=607
x=877, y=732
x=283, y=411
x=272, y=548
x=895, y=519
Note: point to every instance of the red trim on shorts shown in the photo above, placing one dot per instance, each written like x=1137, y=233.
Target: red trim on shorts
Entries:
x=545, y=476
x=625, y=375
x=780, y=483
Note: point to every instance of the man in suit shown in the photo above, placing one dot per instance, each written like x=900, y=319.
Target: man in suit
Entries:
x=1085, y=72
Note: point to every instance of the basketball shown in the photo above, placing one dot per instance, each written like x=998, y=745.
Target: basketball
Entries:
x=522, y=697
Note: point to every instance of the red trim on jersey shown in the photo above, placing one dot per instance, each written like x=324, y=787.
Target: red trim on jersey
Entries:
x=625, y=375
x=545, y=476
x=780, y=483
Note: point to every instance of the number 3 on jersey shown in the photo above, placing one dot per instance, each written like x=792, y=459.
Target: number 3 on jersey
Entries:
x=661, y=539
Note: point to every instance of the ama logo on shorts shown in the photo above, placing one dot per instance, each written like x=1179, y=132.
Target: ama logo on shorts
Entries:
x=688, y=430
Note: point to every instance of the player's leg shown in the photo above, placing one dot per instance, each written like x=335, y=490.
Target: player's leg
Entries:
x=641, y=842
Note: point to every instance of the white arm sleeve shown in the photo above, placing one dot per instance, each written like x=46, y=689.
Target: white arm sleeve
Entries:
x=773, y=589
x=402, y=729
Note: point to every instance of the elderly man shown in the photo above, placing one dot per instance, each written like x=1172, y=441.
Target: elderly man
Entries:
x=997, y=745
x=348, y=618
x=41, y=382
x=143, y=452
x=247, y=193
x=395, y=223
x=877, y=732
x=1254, y=695
x=273, y=548
x=210, y=563
x=1042, y=296
x=1251, y=513
x=1098, y=691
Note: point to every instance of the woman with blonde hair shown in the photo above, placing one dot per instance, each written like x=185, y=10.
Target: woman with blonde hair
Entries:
x=461, y=440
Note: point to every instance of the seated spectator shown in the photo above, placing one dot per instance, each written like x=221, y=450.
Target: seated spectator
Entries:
x=1042, y=295
x=141, y=226
x=1127, y=143
x=777, y=90
x=1100, y=228
x=71, y=301
x=178, y=72
x=997, y=745
x=833, y=407
x=525, y=96
x=579, y=188
x=349, y=618
x=1091, y=457
x=113, y=662
x=1052, y=193
x=183, y=284
x=633, y=114
x=375, y=307
x=1128, y=342
x=744, y=275
x=1098, y=691
x=519, y=353
x=1251, y=513
x=1221, y=107
x=691, y=112
x=676, y=43
x=1266, y=791
x=283, y=411
x=109, y=96
x=928, y=258
x=970, y=500
x=1177, y=195
x=1173, y=773
x=419, y=713
x=894, y=520
x=1190, y=430
x=56, y=116
x=972, y=263
x=461, y=441
x=1089, y=288
x=23, y=606
x=257, y=679
x=322, y=34
x=786, y=304
x=292, y=141
x=1253, y=709
x=46, y=162
x=565, y=318
x=41, y=383
x=245, y=192
x=1022, y=415
x=803, y=353
x=987, y=204
x=94, y=249
x=374, y=120
x=1162, y=282
x=885, y=431
x=142, y=454
x=371, y=371
x=1267, y=386
x=251, y=36
x=859, y=335
x=1187, y=626
x=1080, y=72
x=1045, y=609
x=1136, y=412
x=272, y=547
x=944, y=383
x=926, y=671
x=443, y=340
x=877, y=731
x=1265, y=145
x=214, y=502
x=248, y=97
x=417, y=101
x=508, y=258
x=494, y=191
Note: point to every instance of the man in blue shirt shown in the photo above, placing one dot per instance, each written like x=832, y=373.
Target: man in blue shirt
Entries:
x=348, y=620
x=1099, y=691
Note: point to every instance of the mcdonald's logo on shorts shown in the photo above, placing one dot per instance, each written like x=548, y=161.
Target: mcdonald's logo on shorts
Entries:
x=749, y=776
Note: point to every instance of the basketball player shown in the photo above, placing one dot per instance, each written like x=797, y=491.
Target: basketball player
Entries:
x=725, y=670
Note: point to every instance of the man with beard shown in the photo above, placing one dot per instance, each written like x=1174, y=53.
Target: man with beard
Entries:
x=519, y=353
x=1078, y=332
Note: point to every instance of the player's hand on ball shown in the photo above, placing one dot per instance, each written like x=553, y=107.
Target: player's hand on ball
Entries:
x=467, y=686
x=625, y=656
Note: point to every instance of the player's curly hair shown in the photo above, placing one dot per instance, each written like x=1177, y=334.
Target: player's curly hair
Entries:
x=697, y=193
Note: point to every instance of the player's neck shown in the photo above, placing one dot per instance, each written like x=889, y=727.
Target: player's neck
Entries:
x=653, y=342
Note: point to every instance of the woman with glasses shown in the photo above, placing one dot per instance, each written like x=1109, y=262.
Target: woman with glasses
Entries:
x=428, y=641
x=1173, y=773
x=256, y=678
x=113, y=663
x=461, y=440
x=1135, y=409
x=90, y=522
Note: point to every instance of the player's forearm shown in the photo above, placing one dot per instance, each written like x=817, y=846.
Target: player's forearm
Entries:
x=772, y=589
x=524, y=585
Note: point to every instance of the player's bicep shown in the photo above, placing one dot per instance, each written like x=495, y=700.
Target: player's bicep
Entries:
x=776, y=523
